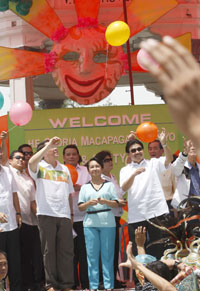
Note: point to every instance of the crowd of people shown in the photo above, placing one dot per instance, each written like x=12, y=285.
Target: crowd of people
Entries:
x=59, y=236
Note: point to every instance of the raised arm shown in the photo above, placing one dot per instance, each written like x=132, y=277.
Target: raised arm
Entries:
x=178, y=164
x=160, y=283
x=3, y=137
x=140, y=239
x=37, y=157
x=167, y=151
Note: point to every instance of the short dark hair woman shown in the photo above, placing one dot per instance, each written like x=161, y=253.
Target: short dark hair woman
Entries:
x=97, y=197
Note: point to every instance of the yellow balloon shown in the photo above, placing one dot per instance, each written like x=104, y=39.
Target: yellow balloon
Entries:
x=117, y=33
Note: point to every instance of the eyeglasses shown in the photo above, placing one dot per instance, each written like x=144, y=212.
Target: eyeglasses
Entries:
x=19, y=158
x=135, y=150
x=28, y=153
x=107, y=160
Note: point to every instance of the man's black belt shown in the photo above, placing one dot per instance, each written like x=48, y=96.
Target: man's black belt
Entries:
x=97, y=211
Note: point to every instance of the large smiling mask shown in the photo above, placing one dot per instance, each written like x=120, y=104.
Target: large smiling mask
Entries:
x=95, y=69
x=83, y=65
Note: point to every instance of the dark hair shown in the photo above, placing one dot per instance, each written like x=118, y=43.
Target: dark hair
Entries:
x=73, y=146
x=132, y=142
x=101, y=155
x=96, y=160
x=13, y=153
x=158, y=141
x=160, y=268
x=3, y=253
x=23, y=146
x=41, y=145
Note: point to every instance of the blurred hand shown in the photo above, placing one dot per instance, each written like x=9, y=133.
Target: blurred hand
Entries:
x=101, y=201
x=54, y=142
x=122, y=202
x=132, y=135
x=139, y=171
x=162, y=136
x=3, y=218
x=3, y=136
x=178, y=73
x=187, y=144
x=92, y=202
x=19, y=220
x=140, y=236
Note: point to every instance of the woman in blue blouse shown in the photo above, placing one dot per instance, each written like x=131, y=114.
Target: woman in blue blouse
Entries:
x=98, y=197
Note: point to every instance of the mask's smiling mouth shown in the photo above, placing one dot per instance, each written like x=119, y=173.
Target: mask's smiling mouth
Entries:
x=83, y=88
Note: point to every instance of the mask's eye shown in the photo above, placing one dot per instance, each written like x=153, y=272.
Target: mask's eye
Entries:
x=100, y=57
x=71, y=56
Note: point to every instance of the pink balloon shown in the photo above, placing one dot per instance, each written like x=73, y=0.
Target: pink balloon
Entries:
x=20, y=113
x=142, y=54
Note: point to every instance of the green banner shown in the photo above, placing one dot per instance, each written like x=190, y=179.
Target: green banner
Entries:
x=94, y=129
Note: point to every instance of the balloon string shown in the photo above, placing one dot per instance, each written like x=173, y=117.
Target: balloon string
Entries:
x=12, y=128
x=106, y=61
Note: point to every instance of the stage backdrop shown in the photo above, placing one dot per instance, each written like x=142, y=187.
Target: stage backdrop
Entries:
x=94, y=129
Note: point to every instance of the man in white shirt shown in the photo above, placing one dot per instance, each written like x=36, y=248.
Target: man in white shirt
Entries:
x=30, y=246
x=54, y=208
x=187, y=170
x=9, y=235
x=167, y=177
x=27, y=150
x=31, y=256
x=72, y=157
x=146, y=199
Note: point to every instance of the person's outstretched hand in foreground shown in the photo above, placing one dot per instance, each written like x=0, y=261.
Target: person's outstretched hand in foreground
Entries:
x=157, y=281
x=179, y=75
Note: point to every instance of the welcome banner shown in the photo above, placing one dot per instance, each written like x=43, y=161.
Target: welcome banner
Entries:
x=94, y=129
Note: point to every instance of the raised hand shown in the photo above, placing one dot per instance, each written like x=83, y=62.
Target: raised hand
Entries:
x=129, y=254
x=3, y=135
x=132, y=135
x=162, y=136
x=140, y=236
x=54, y=142
x=187, y=144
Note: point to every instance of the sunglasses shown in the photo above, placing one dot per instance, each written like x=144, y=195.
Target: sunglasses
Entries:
x=19, y=158
x=107, y=160
x=28, y=153
x=135, y=150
